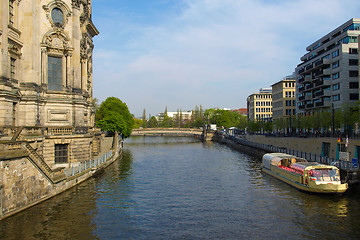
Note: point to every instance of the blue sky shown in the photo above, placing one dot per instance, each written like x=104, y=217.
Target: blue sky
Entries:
x=178, y=54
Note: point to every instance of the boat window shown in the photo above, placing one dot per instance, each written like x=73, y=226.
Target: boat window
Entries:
x=324, y=175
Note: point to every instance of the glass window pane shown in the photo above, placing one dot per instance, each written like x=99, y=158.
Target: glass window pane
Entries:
x=54, y=73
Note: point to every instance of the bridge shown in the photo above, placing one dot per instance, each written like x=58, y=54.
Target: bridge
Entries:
x=167, y=132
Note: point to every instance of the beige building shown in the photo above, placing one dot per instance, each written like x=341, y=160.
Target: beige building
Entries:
x=328, y=75
x=46, y=80
x=259, y=105
x=283, y=98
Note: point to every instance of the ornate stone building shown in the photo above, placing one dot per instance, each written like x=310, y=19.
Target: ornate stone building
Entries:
x=48, y=142
x=46, y=77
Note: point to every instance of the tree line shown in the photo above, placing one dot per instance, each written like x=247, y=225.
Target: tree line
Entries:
x=344, y=120
x=199, y=118
x=113, y=116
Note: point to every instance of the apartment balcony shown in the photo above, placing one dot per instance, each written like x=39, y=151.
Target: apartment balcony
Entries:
x=309, y=86
x=323, y=104
x=311, y=105
x=322, y=83
x=323, y=93
x=308, y=97
x=319, y=104
x=302, y=98
x=327, y=103
x=301, y=89
x=318, y=83
x=301, y=71
x=322, y=63
x=302, y=107
x=308, y=78
x=308, y=68
x=319, y=93
x=322, y=73
x=301, y=80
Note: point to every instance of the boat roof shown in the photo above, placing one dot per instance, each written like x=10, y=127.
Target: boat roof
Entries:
x=275, y=159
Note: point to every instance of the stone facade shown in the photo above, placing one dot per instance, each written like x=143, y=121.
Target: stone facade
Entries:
x=46, y=76
x=46, y=109
x=46, y=63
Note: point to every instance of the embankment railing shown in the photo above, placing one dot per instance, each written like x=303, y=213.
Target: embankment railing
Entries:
x=83, y=166
x=345, y=165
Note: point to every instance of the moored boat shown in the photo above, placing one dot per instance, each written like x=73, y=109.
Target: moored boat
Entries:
x=304, y=175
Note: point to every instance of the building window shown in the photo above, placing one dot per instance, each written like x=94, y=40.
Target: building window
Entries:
x=54, y=73
x=57, y=16
x=12, y=68
x=353, y=62
x=354, y=26
x=61, y=153
x=336, y=86
x=353, y=85
x=335, y=64
x=353, y=51
x=353, y=73
x=336, y=75
x=336, y=98
x=354, y=96
x=11, y=12
x=335, y=53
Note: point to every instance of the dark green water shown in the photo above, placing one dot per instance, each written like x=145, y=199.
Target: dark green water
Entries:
x=178, y=188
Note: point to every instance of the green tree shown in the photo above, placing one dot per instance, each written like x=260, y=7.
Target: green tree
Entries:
x=137, y=123
x=153, y=123
x=144, y=122
x=167, y=121
x=114, y=116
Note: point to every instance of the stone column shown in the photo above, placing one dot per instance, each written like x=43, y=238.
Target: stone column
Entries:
x=64, y=73
x=83, y=74
x=68, y=70
x=43, y=66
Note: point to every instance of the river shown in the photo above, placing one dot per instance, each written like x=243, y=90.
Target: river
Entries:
x=179, y=188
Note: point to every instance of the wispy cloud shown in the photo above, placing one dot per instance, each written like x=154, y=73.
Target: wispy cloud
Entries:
x=209, y=52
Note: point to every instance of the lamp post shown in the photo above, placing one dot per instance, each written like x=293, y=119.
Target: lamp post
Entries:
x=290, y=123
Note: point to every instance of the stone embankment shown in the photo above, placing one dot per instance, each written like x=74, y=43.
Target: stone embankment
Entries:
x=26, y=179
x=312, y=149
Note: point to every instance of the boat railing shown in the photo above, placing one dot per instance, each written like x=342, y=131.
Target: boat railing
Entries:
x=291, y=170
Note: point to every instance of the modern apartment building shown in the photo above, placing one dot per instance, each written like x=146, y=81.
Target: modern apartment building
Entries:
x=328, y=75
x=185, y=116
x=259, y=105
x=283, y=98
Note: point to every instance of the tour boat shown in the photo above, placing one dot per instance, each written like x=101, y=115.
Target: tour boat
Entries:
x=303, y=175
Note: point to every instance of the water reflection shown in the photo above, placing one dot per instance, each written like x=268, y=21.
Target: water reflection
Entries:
x=66, y=216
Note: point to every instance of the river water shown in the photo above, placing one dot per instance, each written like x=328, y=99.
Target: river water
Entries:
x=179, y=188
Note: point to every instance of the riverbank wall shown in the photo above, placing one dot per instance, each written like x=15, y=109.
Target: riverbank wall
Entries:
x=311, y=149
x=26, y=178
